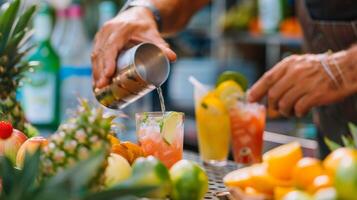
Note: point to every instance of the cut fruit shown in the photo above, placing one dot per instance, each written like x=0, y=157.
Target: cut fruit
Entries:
x=265, y=182
x=255, y=176
x=235, y=76
x=320, y=182
x=282, y=160
x=305, y=171
x=170, y=123
x=238, y=178
x=280, y=192
x=229, y=92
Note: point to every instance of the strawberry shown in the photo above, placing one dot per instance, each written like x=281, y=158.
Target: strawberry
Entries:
x=5, y=130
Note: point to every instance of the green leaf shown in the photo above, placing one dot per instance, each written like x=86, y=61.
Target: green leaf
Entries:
x=7, y=20
x=121, y=191
x=331, y=144
x=7, y=174
x=25, y=19
x=347, y=141
x=79, y=175
x=353, y=130
x=29, y=172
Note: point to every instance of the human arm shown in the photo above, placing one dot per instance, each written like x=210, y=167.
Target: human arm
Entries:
x=299, y=82
x=136, y=25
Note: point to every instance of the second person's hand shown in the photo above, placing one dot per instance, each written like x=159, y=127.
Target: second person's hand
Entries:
x=131, y=27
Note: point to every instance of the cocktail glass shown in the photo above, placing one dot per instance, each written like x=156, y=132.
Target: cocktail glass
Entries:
x=247, y=128
x=161, y=135
x=213, y=129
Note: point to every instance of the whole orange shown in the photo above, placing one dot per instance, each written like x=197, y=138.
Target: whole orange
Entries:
x=305, y=171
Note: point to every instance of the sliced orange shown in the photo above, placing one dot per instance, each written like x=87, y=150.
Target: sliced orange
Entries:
x=280, y=192
x=333, y=160
x=113, y=140
x=264, y=182
x=135, y=149
x=123, y=151
x=320, y=182
x=305, y=171
x=282, y=160
x=238, y=178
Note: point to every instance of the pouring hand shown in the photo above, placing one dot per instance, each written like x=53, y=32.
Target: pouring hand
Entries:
x=131, y=27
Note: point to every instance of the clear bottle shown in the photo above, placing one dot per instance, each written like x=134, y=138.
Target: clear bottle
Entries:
x=76, y=69
x=40, y=96
x=59, y=30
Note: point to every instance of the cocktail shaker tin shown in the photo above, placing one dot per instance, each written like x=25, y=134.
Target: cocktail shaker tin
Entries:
x=139, y=71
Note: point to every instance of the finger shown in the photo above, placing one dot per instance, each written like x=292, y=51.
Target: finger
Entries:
x=303, y=105
x=155, y=38
x=288, y=100
x=261, y=87
x=279, y=89
x=101, y=81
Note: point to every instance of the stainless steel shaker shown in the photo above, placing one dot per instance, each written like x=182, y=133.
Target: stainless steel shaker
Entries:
x=139, y=71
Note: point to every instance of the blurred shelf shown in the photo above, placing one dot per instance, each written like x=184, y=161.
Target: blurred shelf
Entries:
x=273, y=39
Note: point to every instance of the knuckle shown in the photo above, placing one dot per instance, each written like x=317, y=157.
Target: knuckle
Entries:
x=272, y=95
x=283, y=104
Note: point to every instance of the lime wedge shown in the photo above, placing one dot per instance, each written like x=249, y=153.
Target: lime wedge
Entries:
x=170, y=123
x=235, y=76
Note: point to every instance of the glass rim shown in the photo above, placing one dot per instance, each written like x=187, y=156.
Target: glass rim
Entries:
x=157, y=113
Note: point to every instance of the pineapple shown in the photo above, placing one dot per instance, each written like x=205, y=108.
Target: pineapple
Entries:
x=76, y=139
x=14, y=33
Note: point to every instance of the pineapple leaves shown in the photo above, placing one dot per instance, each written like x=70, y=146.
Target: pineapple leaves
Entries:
x=7, y=20
x=353, y=131
x=331, y=144
x=7, y=174
x=349, y=141
x=24, y=19
x=78, y=176
x=121, y=192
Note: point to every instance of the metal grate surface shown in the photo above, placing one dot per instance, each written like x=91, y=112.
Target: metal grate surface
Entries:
x=215, y=174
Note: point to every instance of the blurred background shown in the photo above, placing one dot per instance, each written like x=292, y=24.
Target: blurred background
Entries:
x=249, y=36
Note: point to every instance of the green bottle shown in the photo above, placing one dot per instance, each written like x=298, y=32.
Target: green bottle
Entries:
x=41, y=93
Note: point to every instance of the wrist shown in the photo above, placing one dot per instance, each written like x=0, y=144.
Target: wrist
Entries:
x=346, y=61
x=149, y=10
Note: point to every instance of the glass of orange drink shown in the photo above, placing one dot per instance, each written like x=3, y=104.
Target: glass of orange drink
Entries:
x=247, y=128
x=161, y=135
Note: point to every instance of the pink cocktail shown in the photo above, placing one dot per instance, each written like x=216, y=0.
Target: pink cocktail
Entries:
x=161, y=135
x=247, y=128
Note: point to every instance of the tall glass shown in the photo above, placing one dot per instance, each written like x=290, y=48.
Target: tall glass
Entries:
x=247, y=128
x=161, y=135
x=213, y=131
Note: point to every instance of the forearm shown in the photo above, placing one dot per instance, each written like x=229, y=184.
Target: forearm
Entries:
x=176, y=13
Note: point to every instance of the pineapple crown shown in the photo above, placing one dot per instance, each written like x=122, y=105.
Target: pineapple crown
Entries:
x=14, y=34
x=349, y=141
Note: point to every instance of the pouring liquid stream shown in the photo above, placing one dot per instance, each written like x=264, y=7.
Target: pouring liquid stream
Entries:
x=161, y=98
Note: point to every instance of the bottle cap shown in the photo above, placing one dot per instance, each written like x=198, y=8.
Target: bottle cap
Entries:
x=75, y=11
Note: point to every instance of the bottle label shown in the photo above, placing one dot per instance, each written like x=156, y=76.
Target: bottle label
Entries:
x=76, y=83
x=39, y=98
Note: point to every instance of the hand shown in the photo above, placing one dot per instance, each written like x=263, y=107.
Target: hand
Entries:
x=298, y=83
x=131, y=27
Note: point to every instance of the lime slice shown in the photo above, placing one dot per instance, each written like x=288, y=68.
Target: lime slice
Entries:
x=235, y=76
x=169, y=126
